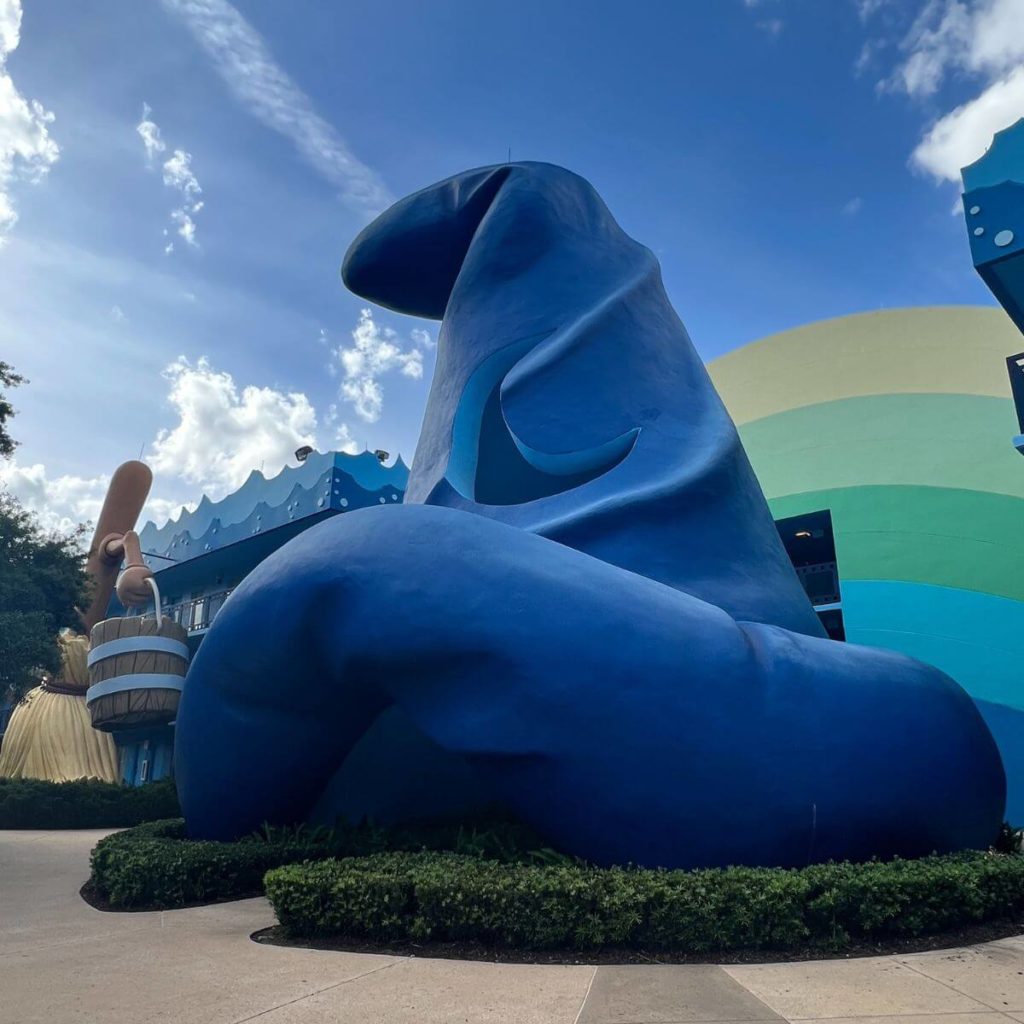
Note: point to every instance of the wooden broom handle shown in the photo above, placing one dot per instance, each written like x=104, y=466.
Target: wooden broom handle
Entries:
x=127, y=493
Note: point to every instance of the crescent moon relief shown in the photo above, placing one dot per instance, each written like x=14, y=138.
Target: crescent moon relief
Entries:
x=490, y=465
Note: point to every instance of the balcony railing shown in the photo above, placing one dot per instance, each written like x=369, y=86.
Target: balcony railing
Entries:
x=198, y=613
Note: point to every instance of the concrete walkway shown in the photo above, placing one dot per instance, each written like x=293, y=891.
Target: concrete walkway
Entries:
x=61, y=961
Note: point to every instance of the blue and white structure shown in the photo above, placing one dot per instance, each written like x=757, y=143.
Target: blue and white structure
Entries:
x=200, y=557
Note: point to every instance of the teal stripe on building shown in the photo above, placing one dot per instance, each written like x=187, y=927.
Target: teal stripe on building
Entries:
x=900, y=424
x=976, y=638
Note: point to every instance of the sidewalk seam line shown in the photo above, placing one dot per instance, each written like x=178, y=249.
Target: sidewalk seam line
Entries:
x=316, y=992
x=952, y=988
x=775, y=1014
x=586, y=996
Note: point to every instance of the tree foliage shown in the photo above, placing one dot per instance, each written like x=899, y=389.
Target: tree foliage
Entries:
x=8, y=379
x=42, y=583
x=42, y=580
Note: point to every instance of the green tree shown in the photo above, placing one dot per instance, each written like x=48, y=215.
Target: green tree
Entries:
x=8, y=379
x=42, y=580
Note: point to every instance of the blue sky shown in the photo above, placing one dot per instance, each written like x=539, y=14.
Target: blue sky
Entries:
x=787, y=160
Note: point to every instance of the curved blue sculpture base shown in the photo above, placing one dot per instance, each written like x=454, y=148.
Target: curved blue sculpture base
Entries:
x=584, y=601
x=697, y=741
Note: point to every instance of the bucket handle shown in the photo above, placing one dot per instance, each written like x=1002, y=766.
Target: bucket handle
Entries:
x=156, y=601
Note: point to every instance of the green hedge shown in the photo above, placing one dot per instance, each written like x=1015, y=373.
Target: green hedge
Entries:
x=500, y=888
x=86, y=803
x=157, y=866
x=448, y=897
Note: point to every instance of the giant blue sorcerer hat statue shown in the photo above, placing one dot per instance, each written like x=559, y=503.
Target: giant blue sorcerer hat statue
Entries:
x=994, y=209
x=583, y=595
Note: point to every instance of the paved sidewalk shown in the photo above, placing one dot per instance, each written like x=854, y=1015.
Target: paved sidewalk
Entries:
x=61, y=962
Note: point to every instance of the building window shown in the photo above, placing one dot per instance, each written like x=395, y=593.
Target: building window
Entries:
x=810, y=544
x=213, y=605
x=1015, y=366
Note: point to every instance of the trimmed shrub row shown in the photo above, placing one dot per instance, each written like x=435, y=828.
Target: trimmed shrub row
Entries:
x=448, y=897
x=85, y=803
x=155, y=866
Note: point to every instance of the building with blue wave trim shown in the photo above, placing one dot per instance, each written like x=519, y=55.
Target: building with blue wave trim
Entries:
x=200, y=557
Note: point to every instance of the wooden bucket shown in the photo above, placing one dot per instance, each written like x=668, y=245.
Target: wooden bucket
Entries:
x=136, y=672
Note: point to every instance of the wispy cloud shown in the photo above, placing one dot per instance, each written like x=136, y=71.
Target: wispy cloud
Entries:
x=149, y=131
x=177, y=175
x=264, y=88
x=422, y=337
x=26, y=149
x=852, y=206
x=375, y=351
x=869, y=8
x=958, y=39
x=342, y=439
x=770, y=26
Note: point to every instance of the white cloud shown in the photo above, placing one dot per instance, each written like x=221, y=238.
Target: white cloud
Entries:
x=853, y=206
x=959, y=39
x=974, y=37
x=159, y=510
x=243, y=61
x=149, y=132
x=186, y=226
x=770, y=26
x=869, y=8
x=963, y=135
x=118, y=314
x=938, y=41
x=373, y=353
x=422, y=338
x=223, y=433
x=26, y=149
x=996, y=41
x=177, y=175
x=61, y=503
x=342, y=439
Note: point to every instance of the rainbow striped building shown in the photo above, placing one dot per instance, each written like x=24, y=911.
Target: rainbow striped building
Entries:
x=899, y=423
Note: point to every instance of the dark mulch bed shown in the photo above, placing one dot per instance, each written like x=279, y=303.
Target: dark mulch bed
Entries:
x=988, y=932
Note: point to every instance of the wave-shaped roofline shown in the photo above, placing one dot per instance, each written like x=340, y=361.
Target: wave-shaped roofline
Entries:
x=365, y=469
